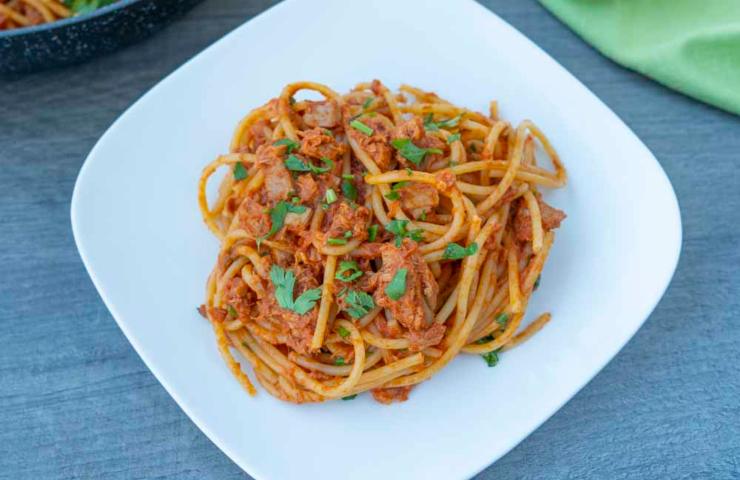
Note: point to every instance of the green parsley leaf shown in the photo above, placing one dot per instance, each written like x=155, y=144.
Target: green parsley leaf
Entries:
x=372, y=233
x=277, y=217
x=409, y=172
x=348, y=266
x=348, y=176
x=366, y=104
x=411, y=152
x=398, y=228
x=289, y=144
x=343, y=332
x=453, y=138
x=240, y=173
x=284, y=282
x=491, y=358
x=348, y=188
x=397, y=286
x=358, y=303
x=502, y=318
x=393, y=194
x=232, y=311
x=328, y=132
x=361, y=127
x=423, y=216
x=350, y=397
x=306, y=301
x=336, y=241
x=297, y=165
x=537, y=283
x=430, y=125
x=330, y=196
x=456, y=252
x=339, y=361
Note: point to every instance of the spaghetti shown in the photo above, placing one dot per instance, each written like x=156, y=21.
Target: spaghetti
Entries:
x=369, y=238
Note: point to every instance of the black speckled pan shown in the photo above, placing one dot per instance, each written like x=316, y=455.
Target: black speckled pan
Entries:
x=76, y=39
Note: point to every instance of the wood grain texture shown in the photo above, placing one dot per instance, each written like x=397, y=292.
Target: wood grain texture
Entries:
x=77, y=402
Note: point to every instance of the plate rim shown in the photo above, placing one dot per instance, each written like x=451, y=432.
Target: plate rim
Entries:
x=213, y=436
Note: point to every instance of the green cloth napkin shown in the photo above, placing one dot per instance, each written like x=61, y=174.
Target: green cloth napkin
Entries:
x=690, y=45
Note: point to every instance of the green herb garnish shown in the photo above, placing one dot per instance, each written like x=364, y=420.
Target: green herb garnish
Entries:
x=372, y=233
x=339, y=361
x=456, y=252
x=366, y=104
x=393, y=194
x=453, y=138
x=350, y=397
x=491, y=358
x=277, y=217
x=430, y=125
x=284, y=282
x=358, y=303
x=240, y=173
x=348, y=188
x=398, y=228
x=348, y=266
x=289, y=144
x=232, y=311
x=536, y=283
x=297, y=165
x=343, y=332
x=502, y=318
x=397, y=286
x=330, y=196
x=361, y=127
x=411, y=152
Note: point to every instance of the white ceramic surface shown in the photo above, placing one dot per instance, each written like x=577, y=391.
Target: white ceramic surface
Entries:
x=139, y=233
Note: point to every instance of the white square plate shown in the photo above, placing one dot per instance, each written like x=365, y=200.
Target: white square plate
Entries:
x=139, y=232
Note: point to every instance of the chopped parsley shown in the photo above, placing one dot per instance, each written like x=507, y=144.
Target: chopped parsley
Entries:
x=430, y=125
x=343, y=332
x=350, y=397
x=491, y=358
x=348, y=188
x=397, y=286
x=232, y=311
x=409, y=172
x=339, y=361
x=411, y=152
x=297, y=165
x=277, y=217
x=502, y=318
x=348, y=266
x=366, y=104
x=372, y=233
x=398, y=228
x=423, y=216
x=290, y=145
x=453, y=138
x=456, y=252
x=330, y=196
x=361, y=127
x=537, y=283
x=240, y=173
x=358, y=304
x=284, y=282
x=485, y=339
x=340, y=241
x=393, y=194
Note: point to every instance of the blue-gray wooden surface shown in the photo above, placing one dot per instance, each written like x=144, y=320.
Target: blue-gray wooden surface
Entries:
x=77, y=402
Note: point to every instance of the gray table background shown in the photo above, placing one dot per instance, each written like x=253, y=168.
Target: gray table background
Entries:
x=77, y=402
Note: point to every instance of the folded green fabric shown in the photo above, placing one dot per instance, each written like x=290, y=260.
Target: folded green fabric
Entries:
x=690, y=45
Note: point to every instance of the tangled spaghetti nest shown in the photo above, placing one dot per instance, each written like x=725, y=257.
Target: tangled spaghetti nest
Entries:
x=369, y=238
